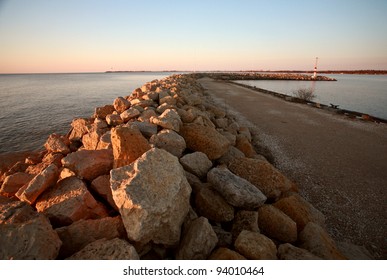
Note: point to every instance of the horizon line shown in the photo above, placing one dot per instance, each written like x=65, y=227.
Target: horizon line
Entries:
x=193, y=71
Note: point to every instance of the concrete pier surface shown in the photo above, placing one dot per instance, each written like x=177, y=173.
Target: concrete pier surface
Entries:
x=340, y=164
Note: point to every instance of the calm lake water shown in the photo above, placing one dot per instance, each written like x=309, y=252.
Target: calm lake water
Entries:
x=361, y=93
x=34, y=106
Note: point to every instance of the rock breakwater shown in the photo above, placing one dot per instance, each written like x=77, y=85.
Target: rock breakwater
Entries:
x=164, y=173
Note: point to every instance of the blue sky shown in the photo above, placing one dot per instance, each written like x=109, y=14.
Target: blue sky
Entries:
x=85, y=35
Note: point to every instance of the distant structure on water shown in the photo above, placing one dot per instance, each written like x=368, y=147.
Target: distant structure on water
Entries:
x=315, y=69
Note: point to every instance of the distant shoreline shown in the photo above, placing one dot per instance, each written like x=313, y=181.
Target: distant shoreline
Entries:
x=347, y=72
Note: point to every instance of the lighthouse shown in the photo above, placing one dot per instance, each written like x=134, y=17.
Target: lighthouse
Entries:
x=315, y=69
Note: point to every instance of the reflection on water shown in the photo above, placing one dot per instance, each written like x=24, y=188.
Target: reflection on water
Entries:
x=362, y=93
x=34, y=106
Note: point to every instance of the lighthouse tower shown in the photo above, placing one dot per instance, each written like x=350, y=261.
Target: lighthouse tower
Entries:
x=315, y=69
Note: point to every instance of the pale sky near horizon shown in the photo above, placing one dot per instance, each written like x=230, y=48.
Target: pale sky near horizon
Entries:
x=44, y=36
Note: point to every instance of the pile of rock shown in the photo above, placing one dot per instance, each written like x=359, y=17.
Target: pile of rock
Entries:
x=161, y=174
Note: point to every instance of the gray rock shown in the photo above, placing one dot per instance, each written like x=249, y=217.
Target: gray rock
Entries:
x=170, y=119
x=170, y=141
x=197, y=163
x=152, y=195
x=235, y=190
x=198, y=242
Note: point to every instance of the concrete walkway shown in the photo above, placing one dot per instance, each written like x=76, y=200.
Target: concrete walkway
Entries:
x=339, y=164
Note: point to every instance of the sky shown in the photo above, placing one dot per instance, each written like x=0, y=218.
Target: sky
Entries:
x=47, y=36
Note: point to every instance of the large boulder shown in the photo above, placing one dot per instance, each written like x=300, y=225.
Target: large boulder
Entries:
x=25, y=234
x=80, y=233
x=69, y=201
x=104, y=249
x=47, y=178
x=89, y=164
x=276, y=224
x=235, y=190
x=170, y=141
x=198, y=242
x=128, y=145
x=255, y=246
x=205, y=139
x=152, y=195
x=263, y=175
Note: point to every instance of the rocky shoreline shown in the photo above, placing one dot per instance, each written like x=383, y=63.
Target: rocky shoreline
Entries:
x=263, y=76
x=164, y=173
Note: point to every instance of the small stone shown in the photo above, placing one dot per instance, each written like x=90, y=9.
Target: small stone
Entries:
x=89, y=164
x=65, y=173
x=198, y=242
x=170, y=141
x=276, y=224
x=197, y=163
x=128, y=145
x=205, y=139
x=317, y=241
x=121, y=104
x=212, y=206
x=103, y=249
x=289, y=252
x=225, y=254
x=39, y=184
x=69, y=201
x=255, y=246
x=235, y=190
x=230, y=155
